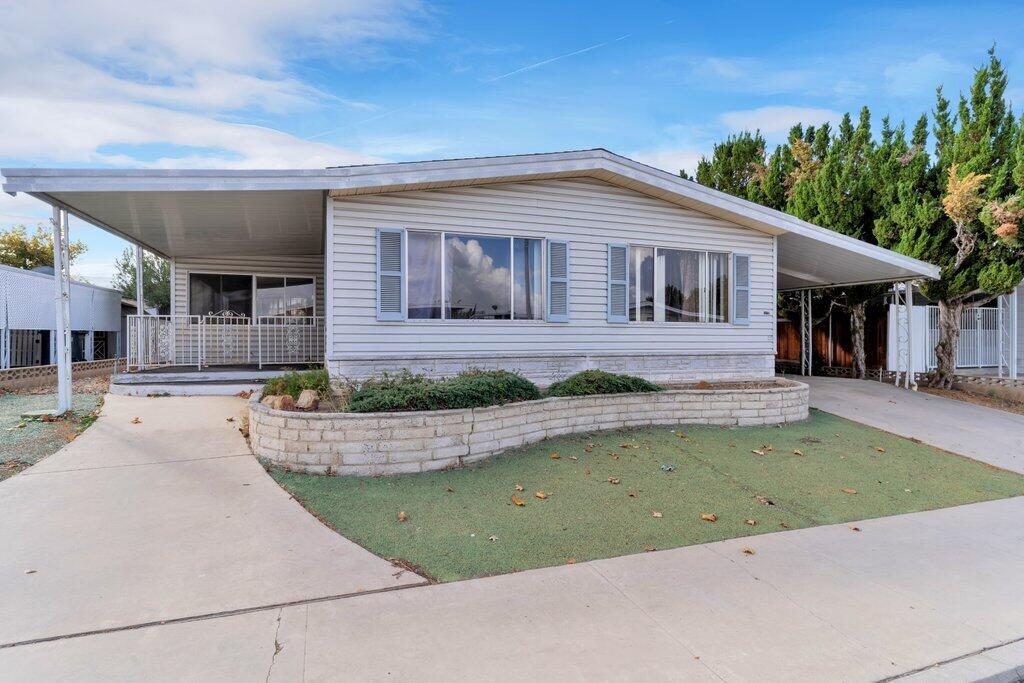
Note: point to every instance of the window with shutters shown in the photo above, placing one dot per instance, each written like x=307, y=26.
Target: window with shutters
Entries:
x=678, y=285
x=455, y=276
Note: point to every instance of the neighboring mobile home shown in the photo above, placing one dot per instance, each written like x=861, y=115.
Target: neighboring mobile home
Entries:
x=545, y=264
x=28, y=319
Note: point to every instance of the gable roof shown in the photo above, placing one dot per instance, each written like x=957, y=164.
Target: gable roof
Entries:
x=169, y=211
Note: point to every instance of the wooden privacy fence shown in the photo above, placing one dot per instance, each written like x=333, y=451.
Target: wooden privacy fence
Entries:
x=831, y=340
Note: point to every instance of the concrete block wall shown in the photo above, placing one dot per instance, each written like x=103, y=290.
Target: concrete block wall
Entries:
x=369, y=444
x=42, y=375
x=544, y=369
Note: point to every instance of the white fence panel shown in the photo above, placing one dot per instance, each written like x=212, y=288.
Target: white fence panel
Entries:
x=979, y=338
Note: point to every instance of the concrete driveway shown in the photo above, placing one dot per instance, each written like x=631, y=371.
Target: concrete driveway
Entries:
x=989, y=435
x=165, y=519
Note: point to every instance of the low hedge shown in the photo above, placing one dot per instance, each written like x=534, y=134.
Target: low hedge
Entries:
x=591, y=382
x=474, y=389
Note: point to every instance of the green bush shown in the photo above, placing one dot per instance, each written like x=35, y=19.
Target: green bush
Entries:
x=294, y=382
x=474, y=389
x=590, y=382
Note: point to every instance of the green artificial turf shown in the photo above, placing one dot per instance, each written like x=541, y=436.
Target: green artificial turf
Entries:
x=452, y=515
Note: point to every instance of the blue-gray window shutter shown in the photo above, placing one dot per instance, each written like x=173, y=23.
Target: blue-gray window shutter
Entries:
x=618, y=283
x=558, y=281
x=390, y=274
x=740, y=289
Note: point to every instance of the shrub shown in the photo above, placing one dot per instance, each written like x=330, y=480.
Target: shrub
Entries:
x=474, y=389
x=294, y=382
x=591, y=382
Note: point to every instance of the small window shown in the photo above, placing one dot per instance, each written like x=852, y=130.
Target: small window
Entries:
x=641, y=284
x=424, y=275
x=528, y=300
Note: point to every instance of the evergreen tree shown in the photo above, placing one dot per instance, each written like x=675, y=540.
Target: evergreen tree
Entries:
x=736, y=166
x=974, y=178
x=156, y=279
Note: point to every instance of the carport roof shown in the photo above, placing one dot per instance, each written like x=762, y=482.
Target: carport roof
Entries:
x=178, y=213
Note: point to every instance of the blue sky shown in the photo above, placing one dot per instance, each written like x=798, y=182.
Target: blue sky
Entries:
x=310, y=83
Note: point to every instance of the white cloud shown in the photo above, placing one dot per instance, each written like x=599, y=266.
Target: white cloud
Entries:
x=80, y=78
x=921, y=75
x=671, y=160
x=776, y=120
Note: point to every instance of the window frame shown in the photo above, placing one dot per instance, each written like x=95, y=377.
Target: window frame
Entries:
x=444, y=320
x=704, y=295
x=253, y=276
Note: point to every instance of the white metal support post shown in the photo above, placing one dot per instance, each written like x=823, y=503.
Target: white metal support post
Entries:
x=911, y=374
x=140, y=307
x=810, y=336
x=62, y=297
x=1007, y=324
x=1014, y=341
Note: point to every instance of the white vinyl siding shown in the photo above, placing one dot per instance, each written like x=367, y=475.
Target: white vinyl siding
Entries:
x=309, y=266
x=590, y=215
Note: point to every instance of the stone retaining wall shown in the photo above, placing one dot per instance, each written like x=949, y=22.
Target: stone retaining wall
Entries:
x=399, y=443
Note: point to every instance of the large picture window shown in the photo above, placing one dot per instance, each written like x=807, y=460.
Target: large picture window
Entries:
x=474, y=277
x=248, y=295
x=678, y=285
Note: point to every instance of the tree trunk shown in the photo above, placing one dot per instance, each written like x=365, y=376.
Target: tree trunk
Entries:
x=858, y=316
x=945, y=350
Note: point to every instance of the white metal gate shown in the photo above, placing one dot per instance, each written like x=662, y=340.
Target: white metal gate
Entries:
x=979, y=338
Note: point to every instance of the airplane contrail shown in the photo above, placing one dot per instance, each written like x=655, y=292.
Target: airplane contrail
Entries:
x=530, y=67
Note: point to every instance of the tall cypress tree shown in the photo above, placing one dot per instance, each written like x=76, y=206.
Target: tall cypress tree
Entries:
x=736, y=166
x=973, y=171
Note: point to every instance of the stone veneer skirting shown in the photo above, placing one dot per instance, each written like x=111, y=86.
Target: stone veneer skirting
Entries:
x=399, y=443
x=547, y=368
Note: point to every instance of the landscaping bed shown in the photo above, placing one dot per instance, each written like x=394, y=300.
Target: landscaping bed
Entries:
x=25, y=442
x=356, y=443
x=464, y=523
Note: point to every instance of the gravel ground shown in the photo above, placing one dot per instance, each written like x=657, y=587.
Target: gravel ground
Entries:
x=22, y=446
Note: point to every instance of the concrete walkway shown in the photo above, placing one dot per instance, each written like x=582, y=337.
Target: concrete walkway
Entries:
x=898, y=597
x=168, y=518
x=993, y=436
x=826, y=603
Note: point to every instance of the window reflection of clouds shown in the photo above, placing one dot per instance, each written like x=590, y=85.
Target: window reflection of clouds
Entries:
x=477, y=277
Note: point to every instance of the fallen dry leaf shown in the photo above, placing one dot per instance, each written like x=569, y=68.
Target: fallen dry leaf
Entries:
x=136, y=420
x=797, y=451
x=628, y=445
x=763, y=501
x=571, y=560
x=632, y=494
x=492, y=537
x=613, y=480
x=879, y=449
x=555, y=456
x=517, y=501
x=449, y=489
x=519, y=487
x=709, y=516
x=540, y=495
x=783, y=525
x=757, y=452
x=748, y=551
x=574, y=457
x=854, y=528
x=847, y=489
x=751, y=522
x=229, y=419
x=586, y=470
x=649, y=548
x=768, y=448
x=656, y=514
x=681, y=435
x=615, y=456
x=402, y=516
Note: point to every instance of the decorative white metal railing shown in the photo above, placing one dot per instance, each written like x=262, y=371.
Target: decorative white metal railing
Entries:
x=223, y=339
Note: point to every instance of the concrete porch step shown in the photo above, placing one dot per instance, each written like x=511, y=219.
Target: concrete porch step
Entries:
x=191, y=382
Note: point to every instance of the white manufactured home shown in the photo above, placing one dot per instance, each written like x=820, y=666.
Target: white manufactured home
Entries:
x=544, y=263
